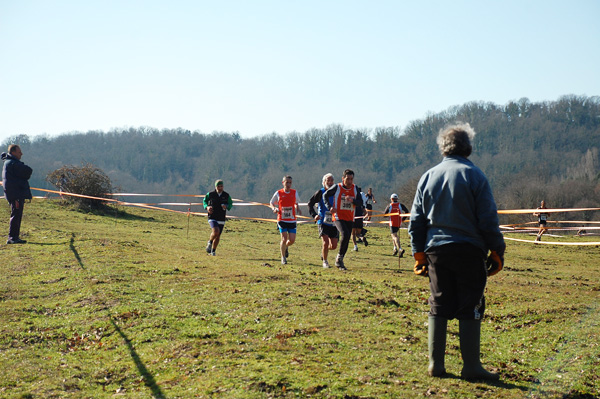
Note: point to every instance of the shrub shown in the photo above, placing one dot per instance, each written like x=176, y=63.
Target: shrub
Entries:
x=85, y=180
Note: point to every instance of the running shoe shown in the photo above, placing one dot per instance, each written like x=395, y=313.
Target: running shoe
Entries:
x=356, y=247
x=209, y=247
x=16, y=241
x=283, y=260
x=395, y=252
x=365, y=241
x=213, y=253
x=339, y=262
x=401, y=253
x=326, y=265
x=287, y=254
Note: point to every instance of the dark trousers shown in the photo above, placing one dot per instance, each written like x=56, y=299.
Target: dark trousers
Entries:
x=345, y=229
x=457, y=279
x=16, y=214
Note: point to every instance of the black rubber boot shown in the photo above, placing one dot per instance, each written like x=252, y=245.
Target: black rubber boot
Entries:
x=437, y=346
x=469, y=332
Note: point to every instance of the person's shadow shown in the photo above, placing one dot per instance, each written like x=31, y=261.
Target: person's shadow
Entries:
x=72, y=247
x=497, y=384
x=148, y=378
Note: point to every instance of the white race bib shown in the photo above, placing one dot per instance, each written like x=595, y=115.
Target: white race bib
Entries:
x=347, y=203
x=287, y=212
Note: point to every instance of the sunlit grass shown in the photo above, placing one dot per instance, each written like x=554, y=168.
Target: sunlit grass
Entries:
x=131, y=305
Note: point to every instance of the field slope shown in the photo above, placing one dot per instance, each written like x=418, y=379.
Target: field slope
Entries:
x=129, y=305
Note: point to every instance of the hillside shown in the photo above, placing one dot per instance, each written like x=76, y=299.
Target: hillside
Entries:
x=529, y=151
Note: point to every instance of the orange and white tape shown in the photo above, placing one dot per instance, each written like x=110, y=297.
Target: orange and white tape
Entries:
x=239, y=202
x=552, y=242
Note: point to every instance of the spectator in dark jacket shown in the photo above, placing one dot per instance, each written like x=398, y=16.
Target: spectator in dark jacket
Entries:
x=15, y=176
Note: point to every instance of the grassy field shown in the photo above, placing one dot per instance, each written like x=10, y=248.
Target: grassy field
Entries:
x=130, y=305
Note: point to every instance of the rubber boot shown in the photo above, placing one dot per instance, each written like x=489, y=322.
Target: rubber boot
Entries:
x=469, y=332
x=437, y=346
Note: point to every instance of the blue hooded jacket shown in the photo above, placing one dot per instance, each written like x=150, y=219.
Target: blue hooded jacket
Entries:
x=15, y=176
x=454, y=204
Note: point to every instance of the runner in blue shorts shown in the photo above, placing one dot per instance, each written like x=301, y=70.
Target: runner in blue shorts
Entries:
x=286, y=204
x=327, y=231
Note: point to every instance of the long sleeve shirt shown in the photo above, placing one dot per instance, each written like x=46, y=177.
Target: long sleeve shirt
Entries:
x=218, y=201
x=454, y=204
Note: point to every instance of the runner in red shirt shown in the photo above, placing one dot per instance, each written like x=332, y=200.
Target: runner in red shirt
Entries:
x=346, y=196
x=395, y=208
x=285, y=203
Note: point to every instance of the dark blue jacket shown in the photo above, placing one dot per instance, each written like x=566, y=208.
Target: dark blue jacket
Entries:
x=15, y=176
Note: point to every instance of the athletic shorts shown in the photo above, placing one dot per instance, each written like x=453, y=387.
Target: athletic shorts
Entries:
x=358, y=223
x=457, y=279
x=369, y=207
x=542, y=222
x=394, y=229
x=216, y=224
x=329, y=231
x=289, y=227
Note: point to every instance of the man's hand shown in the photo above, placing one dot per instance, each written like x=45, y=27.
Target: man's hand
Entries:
x=494, y=263
x=209, y=209
x=421, y=264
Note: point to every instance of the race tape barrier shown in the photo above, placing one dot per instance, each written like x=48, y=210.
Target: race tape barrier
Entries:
x=514, y=227
x=552, y=242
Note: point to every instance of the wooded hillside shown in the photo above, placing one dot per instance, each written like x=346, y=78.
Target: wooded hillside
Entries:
x=529, y=151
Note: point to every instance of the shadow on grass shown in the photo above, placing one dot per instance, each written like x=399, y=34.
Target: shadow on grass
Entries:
x=72, y=247
x=498, y=384
x=148, y=378
x=104, y=211
x=124, y=215
x=46, y=243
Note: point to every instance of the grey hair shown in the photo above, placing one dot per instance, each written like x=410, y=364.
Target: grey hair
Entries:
x=325, y=177
x=456, y=139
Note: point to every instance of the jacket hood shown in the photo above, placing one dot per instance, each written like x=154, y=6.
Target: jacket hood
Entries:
x=6, y=156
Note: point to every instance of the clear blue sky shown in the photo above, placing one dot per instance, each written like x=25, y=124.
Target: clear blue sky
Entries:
x=259, y=66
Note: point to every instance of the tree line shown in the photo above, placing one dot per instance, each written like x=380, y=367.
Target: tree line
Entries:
x=529, y=151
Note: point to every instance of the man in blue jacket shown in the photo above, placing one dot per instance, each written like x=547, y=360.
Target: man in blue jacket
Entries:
x=15, y=176
x=453, y=225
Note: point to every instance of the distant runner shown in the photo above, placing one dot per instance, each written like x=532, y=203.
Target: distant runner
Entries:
x=327, y=230
x=358, y=226
x=285, y=203
x=216, y=203
x=395, y=222
x=542, y=220
x=369, y=203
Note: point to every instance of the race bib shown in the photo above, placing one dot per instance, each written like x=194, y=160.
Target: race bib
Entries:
x=328, y=218
x=347, y=203
x=287, y=212
x=543, y=217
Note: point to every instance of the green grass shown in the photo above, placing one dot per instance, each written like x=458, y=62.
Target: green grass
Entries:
x=130, y=305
